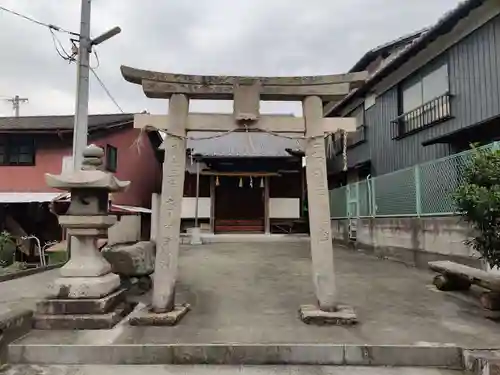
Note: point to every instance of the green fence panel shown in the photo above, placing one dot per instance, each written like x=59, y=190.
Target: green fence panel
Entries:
x=426, y=189
x=364, y=199
x=438, y=182
x=395, y=194
x=338, y=202
x=440, y=178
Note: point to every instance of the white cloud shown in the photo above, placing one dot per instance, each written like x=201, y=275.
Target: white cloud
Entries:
x=244, y=37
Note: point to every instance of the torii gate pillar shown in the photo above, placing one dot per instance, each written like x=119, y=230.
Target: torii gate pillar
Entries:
x=246, y=93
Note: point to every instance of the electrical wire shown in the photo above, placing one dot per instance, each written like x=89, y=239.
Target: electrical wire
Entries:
x=50, y=26
x=61, y=51
x=106, y=89
x=96, y=58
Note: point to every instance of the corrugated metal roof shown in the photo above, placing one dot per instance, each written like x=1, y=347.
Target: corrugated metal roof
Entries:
x=61, y=122
x=26, y=197
x=242, y=145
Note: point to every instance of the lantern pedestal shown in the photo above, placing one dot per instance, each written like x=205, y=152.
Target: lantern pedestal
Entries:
x=87, y=295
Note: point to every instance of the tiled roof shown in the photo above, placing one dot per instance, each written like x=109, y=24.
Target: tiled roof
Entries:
x=41, y=123
x=370, y=55
x=242, y=145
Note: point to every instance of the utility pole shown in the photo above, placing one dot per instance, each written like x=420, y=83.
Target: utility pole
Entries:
x=80, y=130
x=16, y=101
x=80, y=127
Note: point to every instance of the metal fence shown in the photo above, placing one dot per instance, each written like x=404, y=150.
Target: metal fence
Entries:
x=423, y=190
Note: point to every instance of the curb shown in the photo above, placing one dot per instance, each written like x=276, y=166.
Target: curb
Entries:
x=29, y=272
x=449, y=357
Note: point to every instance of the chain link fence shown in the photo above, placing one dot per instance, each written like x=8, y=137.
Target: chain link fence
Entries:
x=338, y=202
x=424, y=190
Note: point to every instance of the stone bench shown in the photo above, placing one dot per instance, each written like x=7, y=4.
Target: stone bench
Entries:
x=455, y=277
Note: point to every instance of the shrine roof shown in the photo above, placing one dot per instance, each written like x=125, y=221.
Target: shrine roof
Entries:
x=242, y=145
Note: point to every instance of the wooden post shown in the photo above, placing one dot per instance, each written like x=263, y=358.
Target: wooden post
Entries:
x=267, y=220
x=319, y=206
x=212, y=204
x=167, y=244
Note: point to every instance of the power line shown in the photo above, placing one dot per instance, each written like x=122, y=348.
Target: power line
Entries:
x=61, y=51
x=50, y=26
x=97, y=59
x=106, y=89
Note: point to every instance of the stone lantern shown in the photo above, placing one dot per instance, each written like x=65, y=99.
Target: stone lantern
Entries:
x=87, y=295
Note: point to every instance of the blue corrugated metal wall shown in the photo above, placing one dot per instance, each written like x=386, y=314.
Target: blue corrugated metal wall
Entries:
x=474, y=70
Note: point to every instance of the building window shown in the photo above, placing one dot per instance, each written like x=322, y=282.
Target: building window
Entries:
x=424, y=102
x=427, y=88
x=111, y=158
x=17, y=151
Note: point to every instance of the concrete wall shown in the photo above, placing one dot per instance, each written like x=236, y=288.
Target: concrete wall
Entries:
x=340, y=231
x=414, y=241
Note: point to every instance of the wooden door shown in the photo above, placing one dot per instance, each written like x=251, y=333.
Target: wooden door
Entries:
x=239, y=208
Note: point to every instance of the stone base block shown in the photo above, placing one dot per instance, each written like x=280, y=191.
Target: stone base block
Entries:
x=84, y=287
x=146, y=317
x=82, y=321
x=81, y=306
x=311, y=314
x=196, y=236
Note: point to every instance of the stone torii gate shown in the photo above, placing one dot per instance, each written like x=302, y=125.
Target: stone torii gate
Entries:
x=246, y=93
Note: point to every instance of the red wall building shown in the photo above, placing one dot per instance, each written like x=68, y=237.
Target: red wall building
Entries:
x=33, y=146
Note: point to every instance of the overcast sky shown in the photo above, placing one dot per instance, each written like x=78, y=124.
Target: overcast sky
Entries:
x=229, y=37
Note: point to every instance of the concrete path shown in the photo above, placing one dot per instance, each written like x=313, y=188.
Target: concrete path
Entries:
x=25, y=291
x=221, y=370
x=250, y=293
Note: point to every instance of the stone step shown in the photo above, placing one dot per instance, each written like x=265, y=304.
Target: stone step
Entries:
x=222, y=370
x=34, y=351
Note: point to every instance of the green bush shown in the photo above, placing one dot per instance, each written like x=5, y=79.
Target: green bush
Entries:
x=7, y=249
x=478, y=201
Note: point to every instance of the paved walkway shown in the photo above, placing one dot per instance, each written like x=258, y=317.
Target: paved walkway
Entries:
x=25, y=291
x=250, y=293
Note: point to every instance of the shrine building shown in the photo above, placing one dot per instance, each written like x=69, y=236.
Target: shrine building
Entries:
x=249, y=182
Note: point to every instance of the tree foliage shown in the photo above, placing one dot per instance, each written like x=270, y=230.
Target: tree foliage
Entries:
x=7, y=249
x=478, y=201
